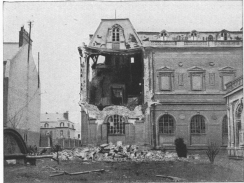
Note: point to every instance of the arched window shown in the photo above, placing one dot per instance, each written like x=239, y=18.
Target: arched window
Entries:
x=198, y=125
x=115, y=36
x=210, y=38
x=225, y=125
x=166, y=124
x=46, y=125
x=116, y=125
x=62, y=124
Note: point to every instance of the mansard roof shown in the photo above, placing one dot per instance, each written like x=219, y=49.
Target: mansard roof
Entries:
x=102, y=36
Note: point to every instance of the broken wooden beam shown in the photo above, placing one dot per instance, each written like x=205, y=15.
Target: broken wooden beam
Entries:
x=76, y=173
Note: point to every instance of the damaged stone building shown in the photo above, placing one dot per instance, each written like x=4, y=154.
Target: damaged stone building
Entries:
x=152, y=87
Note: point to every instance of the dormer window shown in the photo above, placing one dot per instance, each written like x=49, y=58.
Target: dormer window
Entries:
x=224, y=35
x=115, y=36
x=163, y=35
x=194, y=34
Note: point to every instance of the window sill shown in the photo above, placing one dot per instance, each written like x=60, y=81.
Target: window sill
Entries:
x=116, y=134
x=167, y=134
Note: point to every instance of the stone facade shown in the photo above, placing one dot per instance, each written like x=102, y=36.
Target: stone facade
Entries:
x=156, y=89
x=21, y=89
x=234, y=98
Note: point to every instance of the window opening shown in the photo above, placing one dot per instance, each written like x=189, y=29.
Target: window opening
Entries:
x=210, y=38
x=115, y=36
x=198, y=125
x=116, y=125
x=166, y=124
x=46, y=125
x=62, y=124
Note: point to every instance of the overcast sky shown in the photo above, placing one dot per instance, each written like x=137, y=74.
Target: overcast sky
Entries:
x=60, y=27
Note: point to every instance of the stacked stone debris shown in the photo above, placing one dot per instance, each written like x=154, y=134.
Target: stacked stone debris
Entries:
x=111, y=152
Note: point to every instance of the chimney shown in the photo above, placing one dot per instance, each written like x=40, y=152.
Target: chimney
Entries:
x=66, y=115
x=23, y=37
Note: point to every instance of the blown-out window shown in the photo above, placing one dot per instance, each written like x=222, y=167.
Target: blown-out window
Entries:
x=198, y=125
x=166, y=124
x=116, y=125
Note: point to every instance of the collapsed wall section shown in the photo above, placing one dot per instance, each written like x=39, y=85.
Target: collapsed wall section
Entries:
x=112, y=98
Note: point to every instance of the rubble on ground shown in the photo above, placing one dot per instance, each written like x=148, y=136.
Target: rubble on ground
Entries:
x=119, y=152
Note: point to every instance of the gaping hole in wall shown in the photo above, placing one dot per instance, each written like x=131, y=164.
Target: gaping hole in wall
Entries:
x=115, y=80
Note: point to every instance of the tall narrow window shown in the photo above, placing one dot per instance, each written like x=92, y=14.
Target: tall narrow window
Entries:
x=225, y=126
x=116, y=125
x=166, y=124
x=115, y=36
x=212, y=79
x=181, y=79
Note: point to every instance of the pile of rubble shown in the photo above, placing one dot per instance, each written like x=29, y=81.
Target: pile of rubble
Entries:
x=111, y=152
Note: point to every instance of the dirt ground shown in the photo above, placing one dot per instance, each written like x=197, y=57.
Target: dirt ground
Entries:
x=201, y=170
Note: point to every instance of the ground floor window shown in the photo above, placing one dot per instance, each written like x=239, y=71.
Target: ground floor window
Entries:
x=166, y=124
x=198, y=125
x=116, y=125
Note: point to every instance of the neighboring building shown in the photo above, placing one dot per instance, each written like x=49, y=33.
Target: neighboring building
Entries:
x=57, y=125
x=235, y=118
x=152, y=87
x=21, y=91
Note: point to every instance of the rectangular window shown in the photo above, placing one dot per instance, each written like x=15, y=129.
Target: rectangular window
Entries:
x=165, y=82
x=226, y=79
x=211, y=79
x=196, y=81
